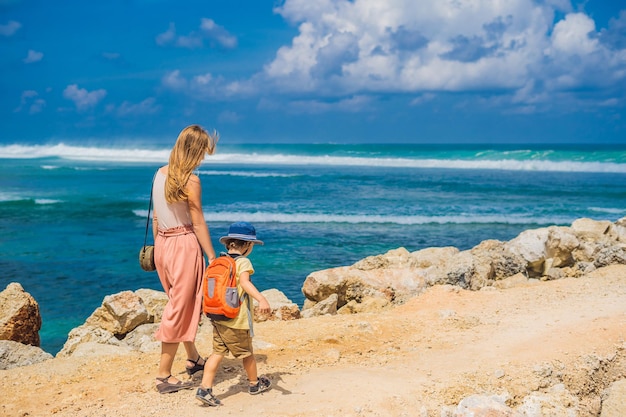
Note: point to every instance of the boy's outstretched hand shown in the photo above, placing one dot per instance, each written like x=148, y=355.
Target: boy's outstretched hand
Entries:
x=264, y=306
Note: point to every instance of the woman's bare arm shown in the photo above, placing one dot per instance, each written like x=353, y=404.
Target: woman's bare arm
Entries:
x=200, y=228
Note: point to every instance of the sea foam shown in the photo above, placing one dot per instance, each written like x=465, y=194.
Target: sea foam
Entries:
x=251, y=174
x=509, y=161
x=269, y=217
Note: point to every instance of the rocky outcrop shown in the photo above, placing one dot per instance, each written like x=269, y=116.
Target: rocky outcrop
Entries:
x=154, y=302
x=567, y=384
x=390, y=277
x=126, y=322
x=15, y=354
x=326, y=306
x=544, y=254
x=282, y=308
x=614, y=400
x=480, y=266
x=595, y=386
x=118, y=316
x=20, y=320
x=556, y=401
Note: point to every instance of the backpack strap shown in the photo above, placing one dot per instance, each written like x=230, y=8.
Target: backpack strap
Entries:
x=245, y=296
x=250, y=323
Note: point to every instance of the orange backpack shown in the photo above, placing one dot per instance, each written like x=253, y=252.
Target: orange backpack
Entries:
x=220, y=299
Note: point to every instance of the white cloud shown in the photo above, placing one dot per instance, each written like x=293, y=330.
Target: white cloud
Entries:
x=519, y=53
x=354, y=104
x=216, y=35
x=228, y=117
x=191, y=41
x=571, y=35
x=612, y=102
x=37, y=106
x=578, y=57
x=10, y=28
x=167, y=37
x=174, y=81
x=170, y=38
x=30, y=99
x=33, y=56
x=614, y=37
x=424, y=98
x=128, y=109
x=347, y=48
x=560, y=5
x=206, y=86
x=29, y=94
x=204, y=79
x=83, y=99
x=112, y=56
x=408, y=46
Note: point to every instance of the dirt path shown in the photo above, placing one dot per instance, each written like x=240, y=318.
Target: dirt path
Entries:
x=412, y=360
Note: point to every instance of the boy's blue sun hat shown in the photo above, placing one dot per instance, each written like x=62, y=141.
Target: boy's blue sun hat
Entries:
x=241, y=231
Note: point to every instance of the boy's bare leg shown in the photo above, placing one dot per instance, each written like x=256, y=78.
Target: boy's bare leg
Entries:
x=205, y=392
x=210, y=369
x=249, y=365
x=257, y=384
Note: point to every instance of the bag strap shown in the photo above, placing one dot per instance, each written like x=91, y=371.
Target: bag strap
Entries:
x=250, y=322
x=245, y=296
x=145, y=239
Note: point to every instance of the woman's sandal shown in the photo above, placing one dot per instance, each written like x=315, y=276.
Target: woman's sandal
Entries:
x=165, y=387
x=196, y=366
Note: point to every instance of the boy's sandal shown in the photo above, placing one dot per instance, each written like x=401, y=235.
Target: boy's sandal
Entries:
x=196, y=366
x=165, y=387
x=207, y=397
x=263, y=384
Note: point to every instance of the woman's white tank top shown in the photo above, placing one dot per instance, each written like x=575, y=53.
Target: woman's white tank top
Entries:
x=168, y=215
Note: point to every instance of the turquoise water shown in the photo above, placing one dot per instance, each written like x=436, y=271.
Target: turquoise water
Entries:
x=72, y=218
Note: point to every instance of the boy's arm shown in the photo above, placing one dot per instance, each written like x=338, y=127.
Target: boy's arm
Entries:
x=250, y=289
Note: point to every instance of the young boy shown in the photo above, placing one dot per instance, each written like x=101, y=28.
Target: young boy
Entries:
x=234, y=335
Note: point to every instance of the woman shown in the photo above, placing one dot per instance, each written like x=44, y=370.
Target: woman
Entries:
x=181, y=236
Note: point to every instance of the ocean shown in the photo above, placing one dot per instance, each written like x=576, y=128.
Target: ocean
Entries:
x=72, y=218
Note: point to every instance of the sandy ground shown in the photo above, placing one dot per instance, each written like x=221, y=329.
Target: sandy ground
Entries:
x=411, y=360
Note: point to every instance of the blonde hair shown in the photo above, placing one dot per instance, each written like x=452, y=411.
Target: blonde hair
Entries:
x=192, y=144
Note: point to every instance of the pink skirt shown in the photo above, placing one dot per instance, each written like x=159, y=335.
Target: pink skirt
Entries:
x=180, y=265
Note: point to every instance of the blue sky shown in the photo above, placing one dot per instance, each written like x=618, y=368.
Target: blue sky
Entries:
x=421, y=71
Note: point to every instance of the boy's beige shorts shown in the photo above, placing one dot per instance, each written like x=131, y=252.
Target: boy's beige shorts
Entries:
x=236, y=341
